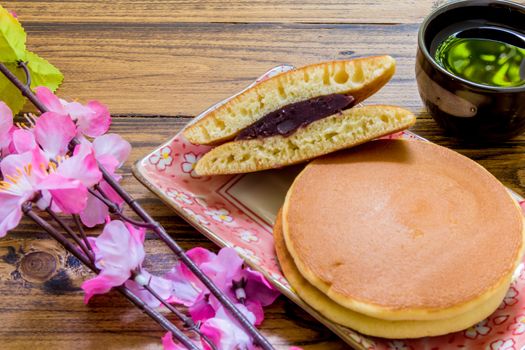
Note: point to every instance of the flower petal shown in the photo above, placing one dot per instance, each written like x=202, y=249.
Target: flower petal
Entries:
x=183, y=290
x=23, y=140
x=6, y=124
x=200, y=255
x=258, y=288
x=224, y=332
x=101, y=284
x=190, y=157
x=257, y=310
x=54, y=132
x=70, y=196
x=95, y=212
x=81, y=166
x=201, y=310
x=10, y=212
x=110, y=192
x=49, y=100
x=120, y=248
x=13, y=163
x=111, y=146
x=160, y=285
x=96, y=122
x=225, y=268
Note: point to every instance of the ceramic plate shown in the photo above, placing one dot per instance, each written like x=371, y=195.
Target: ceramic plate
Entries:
x=239, y=211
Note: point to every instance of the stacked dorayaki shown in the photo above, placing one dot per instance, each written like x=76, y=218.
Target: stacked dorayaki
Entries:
x=399, y=239
x=393, y=238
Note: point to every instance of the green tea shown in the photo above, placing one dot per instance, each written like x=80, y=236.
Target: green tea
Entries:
x=483, y=61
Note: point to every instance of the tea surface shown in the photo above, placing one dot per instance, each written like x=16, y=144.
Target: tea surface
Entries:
x=483, y=61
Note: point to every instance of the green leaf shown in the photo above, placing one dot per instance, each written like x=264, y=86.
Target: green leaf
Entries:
x=12, y=38
x=9, y=93
x=42, y=72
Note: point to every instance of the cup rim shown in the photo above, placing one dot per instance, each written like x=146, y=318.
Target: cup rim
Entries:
x=459, y=4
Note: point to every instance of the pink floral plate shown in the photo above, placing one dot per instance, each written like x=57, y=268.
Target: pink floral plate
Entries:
x=239, y=211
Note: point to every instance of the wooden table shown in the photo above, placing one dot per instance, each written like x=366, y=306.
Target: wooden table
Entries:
x=156, y=63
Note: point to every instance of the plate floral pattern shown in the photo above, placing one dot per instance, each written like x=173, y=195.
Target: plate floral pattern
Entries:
x=213, y=207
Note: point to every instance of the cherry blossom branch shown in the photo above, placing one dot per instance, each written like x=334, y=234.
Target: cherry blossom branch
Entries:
x=149, y=223
x=25, y=90
x=188, y=322
x=259, y=339
x=114, y=209
x=155, y=315
x=23, y=65
x=83, y=235
x=72, y=234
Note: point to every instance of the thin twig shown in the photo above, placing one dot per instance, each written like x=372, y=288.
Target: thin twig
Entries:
x=188, y=322
x=84, y=236
x=155, y=315
x=72, y=234
x=114, y=209
x=23, y=65
x=26, y=91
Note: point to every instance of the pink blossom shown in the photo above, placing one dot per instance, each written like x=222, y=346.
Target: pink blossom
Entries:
x=202, y=310
x=53, y=132
x=99, y=285
x=244, y=285
x=25, y=178
x=97, y=212
x=6, y=126
x=160, y=285
x=111, y=151
x=188, y=289
x=119, y=251
x=184, y=288
x=225, y=269
x=92, y=119
x=24, y=140
x=225, y=333
x=81, y=166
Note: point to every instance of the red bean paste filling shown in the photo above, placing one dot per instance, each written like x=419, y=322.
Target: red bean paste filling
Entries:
x=287, y=120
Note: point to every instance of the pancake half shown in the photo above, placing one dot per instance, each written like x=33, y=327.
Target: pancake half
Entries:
x=403, y=230
x=370, y=325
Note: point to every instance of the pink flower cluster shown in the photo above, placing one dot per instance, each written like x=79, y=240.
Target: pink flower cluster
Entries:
x=37, y=164
x=119, y=253
x=40, y=165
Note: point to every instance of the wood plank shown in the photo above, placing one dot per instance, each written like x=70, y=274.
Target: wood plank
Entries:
x=244, y=11
x=50, y=312
x=41, y=303
x=181, y=69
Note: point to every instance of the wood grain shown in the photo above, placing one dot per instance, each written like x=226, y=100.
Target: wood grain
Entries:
x=181, y=69
x=239, y=11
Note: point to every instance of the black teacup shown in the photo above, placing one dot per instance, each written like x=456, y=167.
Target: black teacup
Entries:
x=471, y=111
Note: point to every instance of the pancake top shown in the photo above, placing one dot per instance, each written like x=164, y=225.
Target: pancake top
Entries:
x=401, y=225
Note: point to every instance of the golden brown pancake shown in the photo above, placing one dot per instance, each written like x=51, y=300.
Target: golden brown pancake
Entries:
x=370, y=325
x=402, y=230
